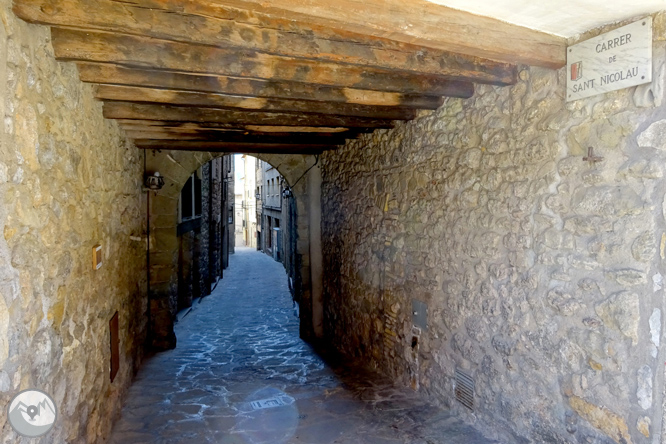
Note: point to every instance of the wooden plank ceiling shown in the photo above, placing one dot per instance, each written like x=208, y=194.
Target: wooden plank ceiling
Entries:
x=293, y=77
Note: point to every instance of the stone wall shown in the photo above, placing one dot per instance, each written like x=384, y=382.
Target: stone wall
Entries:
x=542, y=274
x=203, y=250
x=289, y=239
x=200, y=240
x=282, y=208
x=68, y=181
x=216, y=204
x=187, y=270
x=228, y=244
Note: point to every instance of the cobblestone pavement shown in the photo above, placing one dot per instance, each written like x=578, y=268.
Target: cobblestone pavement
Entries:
x=241, y=375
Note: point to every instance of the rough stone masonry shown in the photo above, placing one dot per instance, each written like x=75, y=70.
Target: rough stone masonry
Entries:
x=543, y=275
x=68, y=181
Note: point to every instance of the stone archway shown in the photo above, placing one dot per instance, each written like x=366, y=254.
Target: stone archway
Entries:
x=176, y=167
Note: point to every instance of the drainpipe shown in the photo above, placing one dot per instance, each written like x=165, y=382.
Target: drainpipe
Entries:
x=211, y=229
x=148, y=295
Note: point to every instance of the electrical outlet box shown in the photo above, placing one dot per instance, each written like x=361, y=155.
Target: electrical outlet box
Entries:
x=420, y=314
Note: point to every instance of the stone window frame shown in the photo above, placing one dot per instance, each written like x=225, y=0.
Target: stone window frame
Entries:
x=195, y=199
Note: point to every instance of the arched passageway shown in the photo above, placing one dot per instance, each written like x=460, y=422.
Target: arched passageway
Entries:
x=177, y=168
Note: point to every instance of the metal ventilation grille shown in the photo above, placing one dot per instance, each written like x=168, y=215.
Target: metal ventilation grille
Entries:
x=464, y=389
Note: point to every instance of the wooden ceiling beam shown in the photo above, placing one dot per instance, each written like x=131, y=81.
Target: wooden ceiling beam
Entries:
x=112, y=74
x=239, y=137
x=129, y=110
x=170, y=132
x=154, y=125
x=232, y=147
x=423, y=23
x=220, y=24
x=143, y=52
x=207, y=100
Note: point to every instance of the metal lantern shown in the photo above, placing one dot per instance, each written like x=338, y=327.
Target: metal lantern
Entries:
x=155, y=182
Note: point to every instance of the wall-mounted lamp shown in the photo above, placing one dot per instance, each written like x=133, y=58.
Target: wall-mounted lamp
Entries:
x=286, y=193
x=154, y=182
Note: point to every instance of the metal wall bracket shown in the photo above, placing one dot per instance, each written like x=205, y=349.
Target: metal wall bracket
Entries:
x=591, y=158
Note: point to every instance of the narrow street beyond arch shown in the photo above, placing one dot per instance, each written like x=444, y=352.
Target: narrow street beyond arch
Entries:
x=241, y=374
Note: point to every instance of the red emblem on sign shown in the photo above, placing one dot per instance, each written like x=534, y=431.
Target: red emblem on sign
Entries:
x=576, y=70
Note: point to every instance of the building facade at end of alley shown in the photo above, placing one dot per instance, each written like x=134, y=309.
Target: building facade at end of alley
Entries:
x=265, y=211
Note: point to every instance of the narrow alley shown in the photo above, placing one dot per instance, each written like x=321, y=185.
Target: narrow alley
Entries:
x=241, y=374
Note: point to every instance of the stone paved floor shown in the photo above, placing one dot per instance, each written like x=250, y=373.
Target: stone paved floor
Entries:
x=241, y=375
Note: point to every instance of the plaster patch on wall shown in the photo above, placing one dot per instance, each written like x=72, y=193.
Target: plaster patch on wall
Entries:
x=657, y=282
x=654, y=136
x=644, y=391
x=655, y=331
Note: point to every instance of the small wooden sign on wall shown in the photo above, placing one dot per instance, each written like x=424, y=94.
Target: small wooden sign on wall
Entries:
x=615, y=60
x=97, y=257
